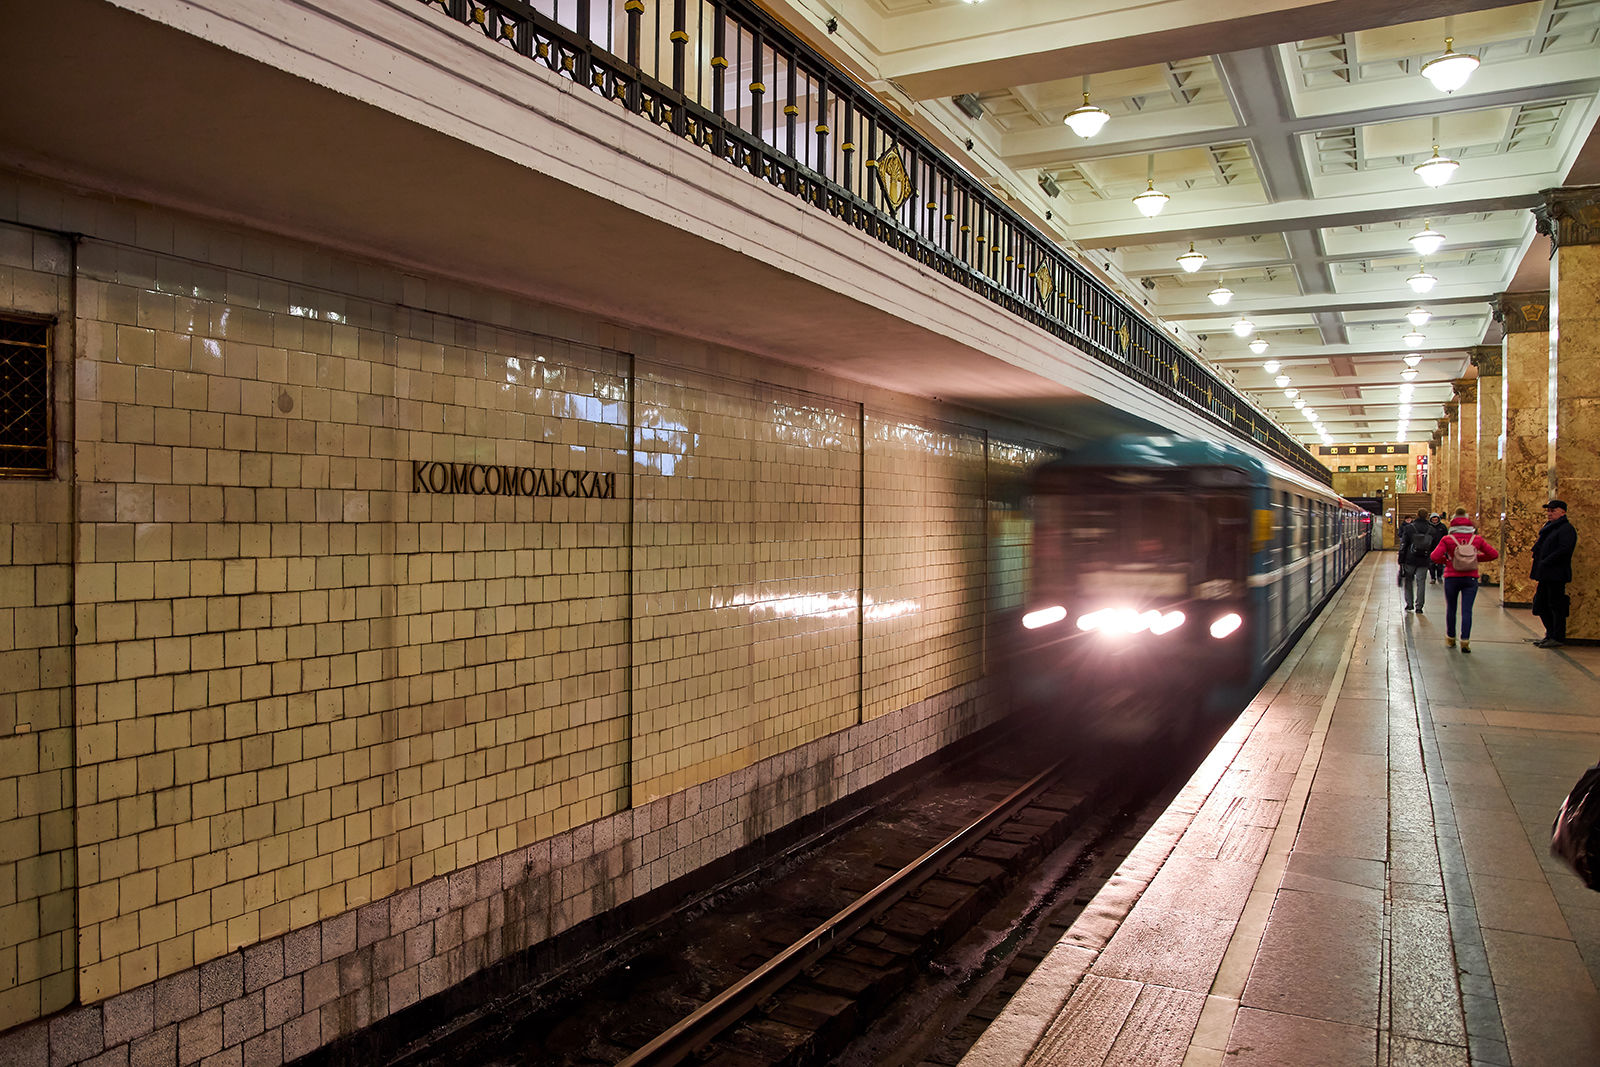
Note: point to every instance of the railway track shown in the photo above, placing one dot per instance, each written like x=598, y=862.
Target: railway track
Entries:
x=860, y=949
x=939, y=888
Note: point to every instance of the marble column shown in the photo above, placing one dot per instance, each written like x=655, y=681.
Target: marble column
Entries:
x=1526, y=362
x=1441, y=473
x=1452, y=459
x=1571, y=216
x=1435, y=468
x=1491, y=452
x=1467, y=446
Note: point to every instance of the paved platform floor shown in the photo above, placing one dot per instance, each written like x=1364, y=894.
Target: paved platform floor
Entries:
x=1358, y=874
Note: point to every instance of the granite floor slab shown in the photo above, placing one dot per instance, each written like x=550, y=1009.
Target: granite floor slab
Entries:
x=1360, y=873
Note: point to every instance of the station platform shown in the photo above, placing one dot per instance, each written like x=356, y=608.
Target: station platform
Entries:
x=1359, y=873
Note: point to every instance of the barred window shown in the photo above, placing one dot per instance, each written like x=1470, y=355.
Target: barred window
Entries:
x=25, y=397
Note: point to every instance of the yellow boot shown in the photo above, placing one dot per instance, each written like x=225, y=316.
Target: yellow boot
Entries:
x=1449, y=642
x=1466, y=646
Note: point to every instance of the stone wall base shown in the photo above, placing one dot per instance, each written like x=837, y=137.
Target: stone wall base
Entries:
x=314, y=994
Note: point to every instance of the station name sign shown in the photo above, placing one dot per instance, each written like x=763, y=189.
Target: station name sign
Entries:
x=486, y=479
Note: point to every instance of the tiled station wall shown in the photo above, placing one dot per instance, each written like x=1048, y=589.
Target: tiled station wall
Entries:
x=38, y=942
x=323, y=744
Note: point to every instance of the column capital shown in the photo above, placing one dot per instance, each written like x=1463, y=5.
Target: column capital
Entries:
x=1466, y=391
x=1436, y=440
x=1569, y=215
x=1524, y=312
x=1452, y=409
x=1489, y=360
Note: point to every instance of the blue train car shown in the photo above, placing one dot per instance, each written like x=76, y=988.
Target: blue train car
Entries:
x=1164, y=566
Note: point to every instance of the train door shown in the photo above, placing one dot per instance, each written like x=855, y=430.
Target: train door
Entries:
x=1280, y=587
x=1309, y=537
x=1319, y=546
x=1326, y=552
x=1296, y=566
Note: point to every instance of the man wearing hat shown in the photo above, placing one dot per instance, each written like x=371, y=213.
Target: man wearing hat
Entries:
x=1552, y=569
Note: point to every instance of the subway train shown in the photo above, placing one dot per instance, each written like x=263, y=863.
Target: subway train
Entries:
x=1168, y=571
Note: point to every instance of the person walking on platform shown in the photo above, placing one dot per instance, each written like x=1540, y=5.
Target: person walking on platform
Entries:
x=1400, y=537
x=1436, y=570
x=1552, y=570
x=1461, y=550
x=1416, y=542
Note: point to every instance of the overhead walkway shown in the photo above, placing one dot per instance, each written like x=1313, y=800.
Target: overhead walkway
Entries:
x=1358, y=874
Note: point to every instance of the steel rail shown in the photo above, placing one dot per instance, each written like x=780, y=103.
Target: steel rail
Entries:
x=688, y=1036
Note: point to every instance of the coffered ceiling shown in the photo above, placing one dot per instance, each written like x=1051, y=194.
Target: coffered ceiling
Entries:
x=1286, y=134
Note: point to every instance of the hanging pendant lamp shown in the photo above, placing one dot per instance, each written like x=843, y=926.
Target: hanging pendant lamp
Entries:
x=1088, y=120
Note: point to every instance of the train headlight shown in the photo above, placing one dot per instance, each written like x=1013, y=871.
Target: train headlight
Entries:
x=1226, y=625
x=1044, y=617
x=1167, y=623
x=1120, y=621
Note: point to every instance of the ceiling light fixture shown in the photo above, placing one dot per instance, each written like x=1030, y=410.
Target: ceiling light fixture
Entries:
x=1412, y=359
x=1409, y=374
x=1221, y=294
x=1450, y=71
x=1152, y=200
x=1419, y=316
x=1413, y=339
x=1291, y=392
x=1439, y=169
x=1259, y=345
x=1088, y=120
x=1436, y=170
x=1422, y=281
x=1299, y=402
x=1427, y=240
x=1271, y=366
x=1281, y=381
x=1192, y=260
x=1244, y=327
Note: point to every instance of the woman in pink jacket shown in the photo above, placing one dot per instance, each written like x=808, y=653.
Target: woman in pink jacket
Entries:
x=1461, y=550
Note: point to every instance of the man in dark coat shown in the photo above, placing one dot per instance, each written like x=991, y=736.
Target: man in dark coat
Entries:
x=1552, y=569
x=1416, y=542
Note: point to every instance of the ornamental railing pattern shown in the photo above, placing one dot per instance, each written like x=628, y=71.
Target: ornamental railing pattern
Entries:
x=730, y=79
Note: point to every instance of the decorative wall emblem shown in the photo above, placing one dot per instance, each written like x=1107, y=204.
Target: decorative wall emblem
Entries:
x=1122, y=341
x=1047, y=285
x=893, y=179
x=1524, y=312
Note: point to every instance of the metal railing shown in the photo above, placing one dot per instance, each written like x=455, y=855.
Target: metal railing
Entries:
x=730, y=79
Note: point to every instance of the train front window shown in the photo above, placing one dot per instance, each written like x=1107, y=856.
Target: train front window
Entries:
x=1151, y=545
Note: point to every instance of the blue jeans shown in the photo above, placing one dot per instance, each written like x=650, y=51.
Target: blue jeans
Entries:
x=1467, y=589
